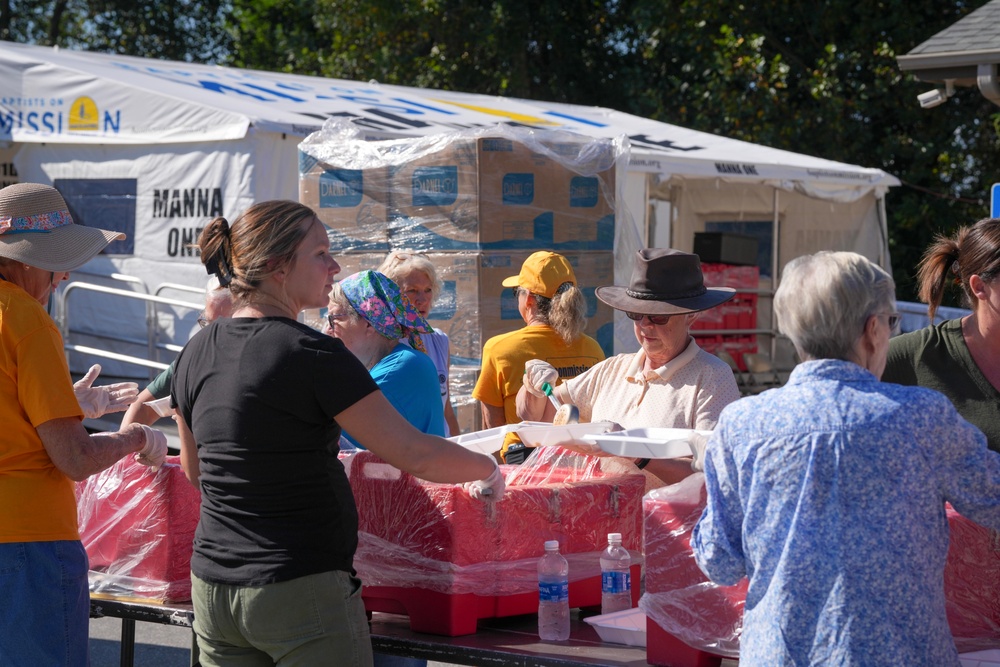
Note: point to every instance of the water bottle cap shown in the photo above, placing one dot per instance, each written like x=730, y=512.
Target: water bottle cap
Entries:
x=551, y=545
x=615, y=537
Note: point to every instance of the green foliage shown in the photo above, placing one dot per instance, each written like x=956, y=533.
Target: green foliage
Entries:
x=815, y=78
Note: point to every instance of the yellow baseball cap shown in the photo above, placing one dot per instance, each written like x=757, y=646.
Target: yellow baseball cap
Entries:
x=543, y=273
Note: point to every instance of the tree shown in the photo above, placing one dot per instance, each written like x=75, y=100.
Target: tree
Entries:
x=192, y=30
x=826, y=83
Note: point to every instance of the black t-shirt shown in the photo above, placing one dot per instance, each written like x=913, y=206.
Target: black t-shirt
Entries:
x=260, y=396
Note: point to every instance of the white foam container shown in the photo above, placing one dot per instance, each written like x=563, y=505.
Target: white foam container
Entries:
x=648, y=443
x=161, y=406
x=544, y=434
x=484, y=442
x=988, y=658
x=622, y=627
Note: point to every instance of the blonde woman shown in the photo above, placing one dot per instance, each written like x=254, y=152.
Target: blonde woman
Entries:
x=418, y=281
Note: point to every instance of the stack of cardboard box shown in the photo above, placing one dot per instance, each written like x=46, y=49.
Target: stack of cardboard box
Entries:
x=477, y=204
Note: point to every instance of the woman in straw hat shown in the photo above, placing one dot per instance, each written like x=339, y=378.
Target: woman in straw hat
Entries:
x=44, y=447
x=370, y=315
x=670, y=382
x=261, y=399
x=555, y=314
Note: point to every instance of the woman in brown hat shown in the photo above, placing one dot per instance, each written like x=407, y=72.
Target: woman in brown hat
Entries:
x=44, y=447
x=670, y=382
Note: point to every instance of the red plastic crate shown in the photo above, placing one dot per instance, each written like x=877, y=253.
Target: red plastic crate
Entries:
x=446, y=560
x=138, y=529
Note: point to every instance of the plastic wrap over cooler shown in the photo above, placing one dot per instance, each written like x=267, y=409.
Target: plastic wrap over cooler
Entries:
x=138, y=529
x=972, y=583
x=679, y=598
x=435, y=537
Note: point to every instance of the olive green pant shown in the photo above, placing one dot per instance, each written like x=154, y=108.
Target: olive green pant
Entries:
x=314, y=620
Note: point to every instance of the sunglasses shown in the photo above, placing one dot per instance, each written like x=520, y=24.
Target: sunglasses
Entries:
x=653, y=319
x=893, y=320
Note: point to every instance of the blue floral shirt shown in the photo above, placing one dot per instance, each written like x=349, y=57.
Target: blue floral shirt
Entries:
x=828, y=494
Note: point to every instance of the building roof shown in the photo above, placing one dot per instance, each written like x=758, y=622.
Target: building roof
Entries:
x=955, y=53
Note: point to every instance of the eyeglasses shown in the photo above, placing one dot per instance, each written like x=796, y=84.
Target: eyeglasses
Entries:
x=202, y=320
x=893, y=320
x=332, y=318
x=653, y=319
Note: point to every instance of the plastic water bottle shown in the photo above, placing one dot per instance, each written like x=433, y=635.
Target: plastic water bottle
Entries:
x=553, y=594
x=616, y=580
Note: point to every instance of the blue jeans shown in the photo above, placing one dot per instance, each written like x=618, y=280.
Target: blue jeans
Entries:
x=313, y=620
x=44, y=604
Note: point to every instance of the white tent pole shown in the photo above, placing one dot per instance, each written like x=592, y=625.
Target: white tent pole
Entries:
x=883, y=227
x=775, y=263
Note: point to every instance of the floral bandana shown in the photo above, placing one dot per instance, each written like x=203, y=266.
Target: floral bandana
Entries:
x=379, y=301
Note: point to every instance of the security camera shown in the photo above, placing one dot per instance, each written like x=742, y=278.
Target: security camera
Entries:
x=932, y=98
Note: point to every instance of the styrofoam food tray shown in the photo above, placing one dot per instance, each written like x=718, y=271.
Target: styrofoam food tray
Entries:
x=621, y=627
x=161, y=406
x=544, y=434
x=987, y=658
x=648, y=443
x=484, y=442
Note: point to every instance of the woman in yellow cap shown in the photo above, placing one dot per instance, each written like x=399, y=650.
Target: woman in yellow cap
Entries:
x=554, y=312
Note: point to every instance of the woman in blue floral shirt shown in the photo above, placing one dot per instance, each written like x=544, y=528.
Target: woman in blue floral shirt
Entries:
x=829, y=493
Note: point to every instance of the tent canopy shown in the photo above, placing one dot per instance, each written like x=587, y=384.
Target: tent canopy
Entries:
x=53, y=95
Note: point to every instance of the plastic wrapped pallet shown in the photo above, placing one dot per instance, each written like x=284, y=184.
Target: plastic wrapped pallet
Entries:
x=138, y=527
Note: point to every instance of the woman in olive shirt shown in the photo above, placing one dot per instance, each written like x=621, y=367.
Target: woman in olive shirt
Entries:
x=960, y=358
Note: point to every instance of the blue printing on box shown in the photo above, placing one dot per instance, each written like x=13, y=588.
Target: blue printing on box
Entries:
x=495, y=145
x=605, y=337
x=584, y=192
x=306, y=162
x=434, y=186
x=518, y=189
x=341, y=188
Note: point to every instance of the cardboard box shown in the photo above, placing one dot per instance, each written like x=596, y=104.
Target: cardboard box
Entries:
x=470, y=195
x=352, y=203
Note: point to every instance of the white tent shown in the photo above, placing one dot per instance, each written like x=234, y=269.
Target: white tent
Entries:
x=158, y=148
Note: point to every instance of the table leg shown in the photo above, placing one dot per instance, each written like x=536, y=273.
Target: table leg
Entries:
x=128, y=642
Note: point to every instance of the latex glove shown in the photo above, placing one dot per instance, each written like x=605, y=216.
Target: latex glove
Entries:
x=537, y=373
x=491, y=488
x=698, y=442
x=98, y=401
x=154, y=453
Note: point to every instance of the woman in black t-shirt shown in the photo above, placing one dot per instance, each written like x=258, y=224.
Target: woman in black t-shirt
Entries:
x=261, y=401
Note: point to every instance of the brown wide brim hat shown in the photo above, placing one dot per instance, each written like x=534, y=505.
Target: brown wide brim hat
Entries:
x=665, y=282
x=36, y=228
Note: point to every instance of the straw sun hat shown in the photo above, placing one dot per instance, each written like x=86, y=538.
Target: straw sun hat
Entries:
x=36, y=228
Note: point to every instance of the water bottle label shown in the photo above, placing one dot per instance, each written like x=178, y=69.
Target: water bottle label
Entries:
x=553, y=591
x=616, y=582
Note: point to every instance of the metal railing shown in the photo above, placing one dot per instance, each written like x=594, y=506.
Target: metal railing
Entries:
x=152, y=302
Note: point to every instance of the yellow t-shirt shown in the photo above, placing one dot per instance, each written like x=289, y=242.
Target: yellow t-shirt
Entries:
x=38, y=501
x=504, y=356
